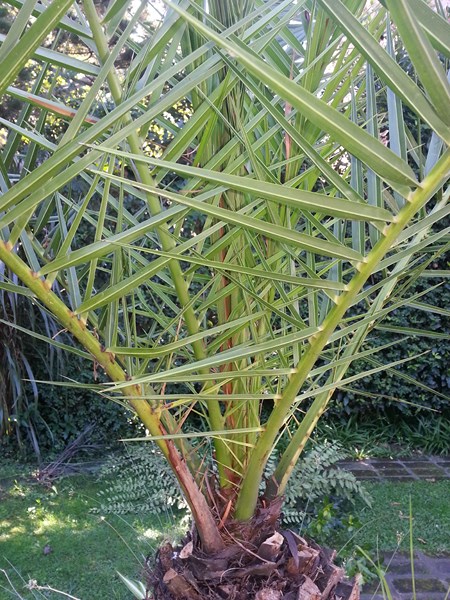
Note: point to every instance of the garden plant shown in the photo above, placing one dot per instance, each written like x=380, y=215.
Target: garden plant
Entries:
x=226, y=279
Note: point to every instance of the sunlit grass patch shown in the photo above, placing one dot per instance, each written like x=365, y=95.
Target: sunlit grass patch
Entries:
x=50, y=536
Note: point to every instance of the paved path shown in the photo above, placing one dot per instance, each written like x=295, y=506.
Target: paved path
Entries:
x=430, y=468
x=432, y=578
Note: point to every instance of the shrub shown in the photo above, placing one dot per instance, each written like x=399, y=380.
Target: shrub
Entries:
x=386, y=393
x=140, y=481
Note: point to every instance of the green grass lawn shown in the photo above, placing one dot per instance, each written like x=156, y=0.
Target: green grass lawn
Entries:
x=386, y=525
x=86, y=549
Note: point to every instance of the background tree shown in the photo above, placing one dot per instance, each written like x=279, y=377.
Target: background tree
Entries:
x=253, y=282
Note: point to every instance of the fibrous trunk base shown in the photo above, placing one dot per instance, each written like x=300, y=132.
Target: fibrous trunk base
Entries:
x=258, y=562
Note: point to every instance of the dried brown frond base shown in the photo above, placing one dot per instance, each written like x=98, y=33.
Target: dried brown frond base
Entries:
x=258, y=562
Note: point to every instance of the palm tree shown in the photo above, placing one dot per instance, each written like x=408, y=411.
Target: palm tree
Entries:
x=226, y=280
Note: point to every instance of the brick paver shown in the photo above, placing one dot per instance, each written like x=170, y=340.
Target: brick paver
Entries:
x=429, y=468
x=431, y=576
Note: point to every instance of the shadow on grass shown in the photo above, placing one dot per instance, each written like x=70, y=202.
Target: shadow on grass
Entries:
x=49, y=536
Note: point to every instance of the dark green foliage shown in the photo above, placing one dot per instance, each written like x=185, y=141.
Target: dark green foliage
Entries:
x=430, y=433
x=384, y=437
x=66, y=411
x=140, y=482
x=387, y=393
x=20, y=417
x=41, y=419
x=318, y=482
